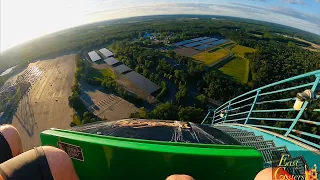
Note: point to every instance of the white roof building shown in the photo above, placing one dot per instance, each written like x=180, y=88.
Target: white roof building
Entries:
x=106, y=52
x=94, y=56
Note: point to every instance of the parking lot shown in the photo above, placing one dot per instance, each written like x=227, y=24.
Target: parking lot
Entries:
x=45, y=105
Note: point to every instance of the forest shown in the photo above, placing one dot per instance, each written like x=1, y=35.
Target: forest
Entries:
x=276, y=58
x=92, y=35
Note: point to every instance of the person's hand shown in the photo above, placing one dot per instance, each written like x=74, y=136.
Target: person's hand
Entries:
x=179, y=177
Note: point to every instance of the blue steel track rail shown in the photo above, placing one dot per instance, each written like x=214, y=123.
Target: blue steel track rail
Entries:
x=246, y=108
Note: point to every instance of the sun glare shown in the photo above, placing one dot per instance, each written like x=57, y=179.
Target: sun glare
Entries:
x=25, y=20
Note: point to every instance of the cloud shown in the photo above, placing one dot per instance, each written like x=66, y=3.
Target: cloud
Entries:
x=298, y=2
x=311, y=18
x=276, y=14
x=318, y=1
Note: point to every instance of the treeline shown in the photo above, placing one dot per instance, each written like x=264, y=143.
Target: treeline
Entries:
x=3, y=79
x=93, y=35
x=218, y=86
x=170, y=111
x=275, y=61
x=163, y=90
x=82, y=115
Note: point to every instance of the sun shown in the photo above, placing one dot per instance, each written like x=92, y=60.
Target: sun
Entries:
x=26, y=20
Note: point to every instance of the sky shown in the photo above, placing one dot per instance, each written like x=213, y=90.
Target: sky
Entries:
x=23, y=20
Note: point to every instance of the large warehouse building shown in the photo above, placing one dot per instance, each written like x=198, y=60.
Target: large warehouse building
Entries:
x=138, y=80
x=94, y=56
x=106, y=53
x=142, y=82
x=111, y=61
x=122, y=69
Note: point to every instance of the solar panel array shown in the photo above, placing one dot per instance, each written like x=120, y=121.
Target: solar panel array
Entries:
x=192, y=44
x=122, y=68
x=199, y=38
x=214, y=43
x=106, y=52
x=94, y=56
x=183, y=42
x=142, y=82
x=201, y=43
x=209, y=40
x=111, y=61
x=221, y=41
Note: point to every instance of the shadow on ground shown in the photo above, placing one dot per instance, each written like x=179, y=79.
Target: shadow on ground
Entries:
x=23, y=113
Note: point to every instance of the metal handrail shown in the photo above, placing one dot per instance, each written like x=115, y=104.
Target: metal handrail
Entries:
x=247, y=112
x=276, y=83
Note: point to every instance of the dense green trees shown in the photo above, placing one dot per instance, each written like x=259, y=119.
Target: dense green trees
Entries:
x=220, y=87
x=75, y=101
x=89, y=117
x=168, y=111
x=202, y=101
x=278, y=61
x=163, y=90
x=191, y=114
x=110, y=83
x=165, y=111
x=182, y=94
x=180, y=75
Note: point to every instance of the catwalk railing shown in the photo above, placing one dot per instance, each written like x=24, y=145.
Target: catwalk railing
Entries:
x=271, y=107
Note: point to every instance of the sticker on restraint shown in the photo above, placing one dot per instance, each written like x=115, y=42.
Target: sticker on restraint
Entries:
x=75, y=152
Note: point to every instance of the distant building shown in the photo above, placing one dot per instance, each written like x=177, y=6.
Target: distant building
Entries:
x=94, y=56
x=149, y=36
x=106, y=53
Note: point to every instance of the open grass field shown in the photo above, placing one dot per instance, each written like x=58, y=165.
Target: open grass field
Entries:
x=96, y=73
x=238, y=68
x=209, y=58
x=108, y=73
x=241, y=50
